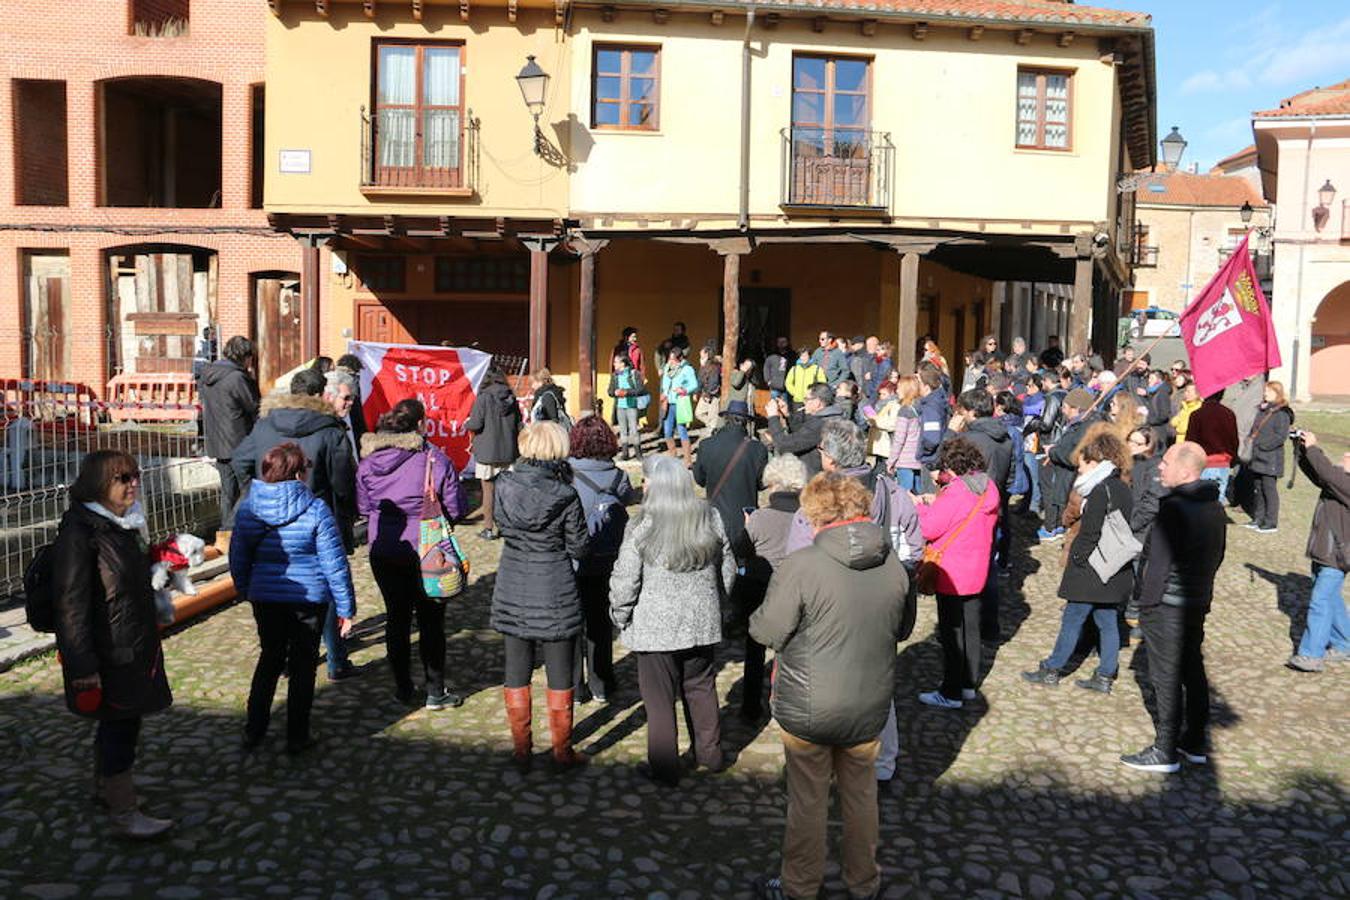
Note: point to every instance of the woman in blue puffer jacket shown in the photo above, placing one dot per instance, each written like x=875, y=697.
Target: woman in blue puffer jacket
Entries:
x=288, y=560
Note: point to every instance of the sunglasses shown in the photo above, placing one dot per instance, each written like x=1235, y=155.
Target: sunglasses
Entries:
x=127, y=477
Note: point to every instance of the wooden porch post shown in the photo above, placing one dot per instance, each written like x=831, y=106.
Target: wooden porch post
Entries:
x=731, y=315
x=909, y=313
x=309, y=297
x=539, y=248
x=1080, y=313
x=586, y=249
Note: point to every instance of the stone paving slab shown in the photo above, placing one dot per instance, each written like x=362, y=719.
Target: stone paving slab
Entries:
x=1018, y=795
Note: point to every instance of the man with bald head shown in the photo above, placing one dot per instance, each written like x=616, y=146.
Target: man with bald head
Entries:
x=1185, y=550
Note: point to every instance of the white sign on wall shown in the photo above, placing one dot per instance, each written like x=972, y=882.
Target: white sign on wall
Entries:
x=295, y=162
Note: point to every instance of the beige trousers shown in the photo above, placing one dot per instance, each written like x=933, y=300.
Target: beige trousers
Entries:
x=809, y=767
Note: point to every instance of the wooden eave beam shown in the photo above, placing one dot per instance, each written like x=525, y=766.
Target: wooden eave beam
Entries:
x=1024, y=36
x=717, y=17
x=919, y=31
x=818, y=24
x=559, y=12
x=321, y=7
x=464, y=10
x=608, y=13
x=417, y=10
x=368, y=7
x=976, y=32
x=511, y=11
x=1066, y=38
x=660, y=16
x=275, y=7
x=772, y=19
x=867, y=27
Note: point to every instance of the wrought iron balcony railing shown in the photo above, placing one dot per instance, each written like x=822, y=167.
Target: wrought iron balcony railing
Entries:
x=1144, y=257
x=437, y=152
x=828, y=168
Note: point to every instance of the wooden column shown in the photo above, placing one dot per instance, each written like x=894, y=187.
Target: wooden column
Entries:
x=731, y=315
x=905, y=356
x=309, y=297
x=539, y=248
x=586, y=249
x=1080, y=314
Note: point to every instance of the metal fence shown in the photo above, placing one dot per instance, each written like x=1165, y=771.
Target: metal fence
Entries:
x=48, y=428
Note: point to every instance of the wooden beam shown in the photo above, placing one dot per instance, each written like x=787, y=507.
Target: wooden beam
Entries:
x=559, y=12
x=607, y=13
x=539, y=250
x=511, y=10
x=772, y=19
x=1066, y=38
x=920, y=30
x=321, y=7
x=586, y=249
x=660, y=16
x=867, y=27
x=818, y=24
x=1024, y=36
x=976, y=32
x=464, y=10
x=309, y=298
x=417, y=10
x=906, y=333
x=717, y=17
x=1080, y=314
x=275, y=7
x=368, y=7
x=731, y=313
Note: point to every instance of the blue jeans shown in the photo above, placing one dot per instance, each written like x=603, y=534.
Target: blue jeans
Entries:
x=1071, y=628
x=1221, y=476
x=669, y=426
x=1032, y=465
x=908, y=479
x=334, y=646
x=1328, y=623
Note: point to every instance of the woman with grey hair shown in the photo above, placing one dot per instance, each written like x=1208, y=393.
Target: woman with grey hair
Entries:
x=674, y=568
x=763, y=546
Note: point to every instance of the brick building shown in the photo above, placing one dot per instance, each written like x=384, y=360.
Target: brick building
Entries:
x=131, y=194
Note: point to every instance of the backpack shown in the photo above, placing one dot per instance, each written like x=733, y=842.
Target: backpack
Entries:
x=606, y=520
x=563, y=419
x=38, y=593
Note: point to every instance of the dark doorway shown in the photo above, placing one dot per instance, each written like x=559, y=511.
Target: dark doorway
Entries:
x=766, y=313
x=276, y=324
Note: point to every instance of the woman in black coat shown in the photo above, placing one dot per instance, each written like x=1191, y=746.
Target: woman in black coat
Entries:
x=1274, y=418
x=106, y=627
x=1101, y=459
x=535, y=603
x=494, y=423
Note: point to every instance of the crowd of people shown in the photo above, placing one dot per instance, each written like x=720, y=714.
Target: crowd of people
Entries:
x=879, y=484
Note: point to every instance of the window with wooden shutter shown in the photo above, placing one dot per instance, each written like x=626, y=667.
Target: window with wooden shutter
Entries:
x=1044, y=109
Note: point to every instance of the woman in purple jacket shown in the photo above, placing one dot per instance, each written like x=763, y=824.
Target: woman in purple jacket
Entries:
x=389, y=490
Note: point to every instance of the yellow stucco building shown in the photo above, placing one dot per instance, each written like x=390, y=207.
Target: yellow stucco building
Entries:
x=750, y=169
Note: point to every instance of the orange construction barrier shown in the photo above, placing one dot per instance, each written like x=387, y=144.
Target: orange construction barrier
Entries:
x=159, y=397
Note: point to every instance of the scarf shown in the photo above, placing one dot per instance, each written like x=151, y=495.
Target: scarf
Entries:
x=134, y=520
x=1084, y=484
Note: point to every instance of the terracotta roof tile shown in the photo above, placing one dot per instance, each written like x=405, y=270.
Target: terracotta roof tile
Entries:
x=1186, y=189
x=1249, y=150
x=1333, y=100
x=1046, y=12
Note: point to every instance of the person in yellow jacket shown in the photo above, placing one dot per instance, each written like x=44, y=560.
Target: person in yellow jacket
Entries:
x=1190, y=402
x=800, y=378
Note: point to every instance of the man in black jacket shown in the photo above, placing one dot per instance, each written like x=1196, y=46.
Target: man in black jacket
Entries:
x=305, y=417
x=229, y=395
x=1058, y=474
x=731, y=465
x=776, y=365
x=802, y=438
x=1185, y=549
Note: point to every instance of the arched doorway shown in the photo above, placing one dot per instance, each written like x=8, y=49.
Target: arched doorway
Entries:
x=1330, y=346
x=160, y=297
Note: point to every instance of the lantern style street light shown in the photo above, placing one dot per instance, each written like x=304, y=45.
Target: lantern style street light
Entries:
x=1326, y=193
x=1173, y=146
x=1246, y=212
x=533, y=82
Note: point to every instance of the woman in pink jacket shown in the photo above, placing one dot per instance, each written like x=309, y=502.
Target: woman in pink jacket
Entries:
x=959, y=523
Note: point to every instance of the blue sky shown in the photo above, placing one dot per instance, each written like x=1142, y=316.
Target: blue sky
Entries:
x=1219, y=60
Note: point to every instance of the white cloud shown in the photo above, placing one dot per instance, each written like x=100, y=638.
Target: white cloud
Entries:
x=1321, y=51
x=1273, y=59
x=1209, y=81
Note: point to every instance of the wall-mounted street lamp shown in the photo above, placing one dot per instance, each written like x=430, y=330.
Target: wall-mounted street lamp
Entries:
x=533, y=83
x=1173, y=147
x=1321, y=213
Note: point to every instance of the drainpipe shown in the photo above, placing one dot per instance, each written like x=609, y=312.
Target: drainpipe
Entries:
x=743, y=222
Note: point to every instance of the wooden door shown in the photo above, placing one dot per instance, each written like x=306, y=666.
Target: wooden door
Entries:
x=277, y=326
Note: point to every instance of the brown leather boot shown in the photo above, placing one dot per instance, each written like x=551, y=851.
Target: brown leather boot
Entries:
x=519, y=710
x=688, y=455
x=670, y=446
x=560, y=729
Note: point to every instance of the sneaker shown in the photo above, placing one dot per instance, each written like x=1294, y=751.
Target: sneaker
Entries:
x=1266, y=529
x=1301, y=663
x=489, y=534
x=938, y=699
x=1195, y=758
x=1044, y=675
x=1336, y=656
x=1098, y=682
x=1053, y=534
x=769, y=887
x=444, y=699
x=1151, y=759
x=1251, y=525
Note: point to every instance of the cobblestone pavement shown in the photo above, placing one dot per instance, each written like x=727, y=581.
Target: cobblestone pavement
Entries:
x=1020, y=794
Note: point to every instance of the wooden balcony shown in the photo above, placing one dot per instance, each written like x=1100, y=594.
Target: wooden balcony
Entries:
x=445, y=167
x=826, y=171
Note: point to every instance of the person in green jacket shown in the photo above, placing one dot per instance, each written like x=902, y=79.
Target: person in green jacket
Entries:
x=800, y=378
x=679, y=382
x=630, y=398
